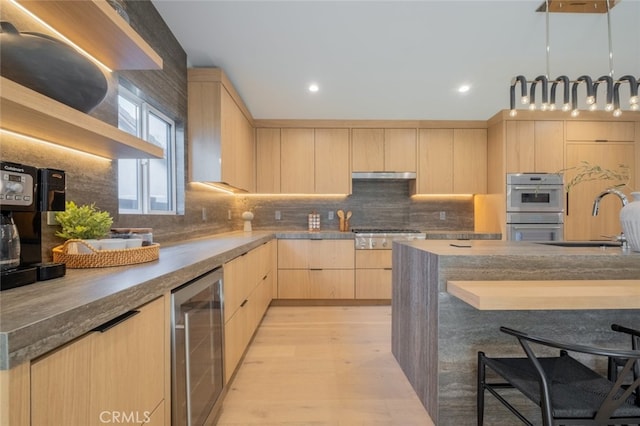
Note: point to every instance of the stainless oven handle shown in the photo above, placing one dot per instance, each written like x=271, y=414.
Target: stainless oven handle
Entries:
x=187, y=363
x=541, y=188
x=538, y=226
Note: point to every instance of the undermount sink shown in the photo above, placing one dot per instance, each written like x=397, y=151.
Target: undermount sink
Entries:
x=582, y=243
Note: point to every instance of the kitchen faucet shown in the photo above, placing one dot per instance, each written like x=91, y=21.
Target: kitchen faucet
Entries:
x=623, y=199
x=620, y=194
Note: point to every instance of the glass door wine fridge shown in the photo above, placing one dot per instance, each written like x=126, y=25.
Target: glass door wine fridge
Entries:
x=197, y=350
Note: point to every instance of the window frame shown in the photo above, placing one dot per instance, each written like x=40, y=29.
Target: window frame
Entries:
x=143, y=169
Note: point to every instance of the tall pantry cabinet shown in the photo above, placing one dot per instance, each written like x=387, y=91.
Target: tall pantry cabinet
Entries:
x=608, y=145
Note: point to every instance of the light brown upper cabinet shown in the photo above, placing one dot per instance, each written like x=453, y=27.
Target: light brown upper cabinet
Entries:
x=297, y=164
x=600, y=131
x=391, y=150
x=332, y=174
x=221, y=135
x=452, y=161
x=367, y=147
x=268, y=161
x=534, y=146
x=400, y=150
x=303, y=161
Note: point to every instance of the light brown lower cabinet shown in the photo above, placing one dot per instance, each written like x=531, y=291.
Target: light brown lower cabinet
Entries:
x=248, y=287
x=116, y=375
x=315, y=284
x=315, y=269
x=240, y=328
x=373, y=274
x=157, y=417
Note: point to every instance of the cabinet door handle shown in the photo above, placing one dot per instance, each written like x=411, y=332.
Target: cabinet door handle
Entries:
x=244, y=302
x=566, y=210
x=315, y=269
x=117, y=320
x=264, y=278
x=388, y=269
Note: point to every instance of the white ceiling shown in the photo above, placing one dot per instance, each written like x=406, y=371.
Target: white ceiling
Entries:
x=394, y=59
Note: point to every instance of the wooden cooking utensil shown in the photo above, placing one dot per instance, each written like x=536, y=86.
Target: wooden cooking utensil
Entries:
x=346, y=221
x=340, y=214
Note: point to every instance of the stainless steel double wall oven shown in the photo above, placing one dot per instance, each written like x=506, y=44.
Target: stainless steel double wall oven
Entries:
x=535, y=207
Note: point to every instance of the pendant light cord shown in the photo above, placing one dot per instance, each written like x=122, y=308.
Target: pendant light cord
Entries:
x=547, y=32
x=610, y=42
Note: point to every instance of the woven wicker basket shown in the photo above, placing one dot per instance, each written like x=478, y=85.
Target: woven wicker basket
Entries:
x=104, y=258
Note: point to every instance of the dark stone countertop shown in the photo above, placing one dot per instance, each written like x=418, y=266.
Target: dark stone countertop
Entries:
x=436, y=336
x=314, y=235
x=37, y=318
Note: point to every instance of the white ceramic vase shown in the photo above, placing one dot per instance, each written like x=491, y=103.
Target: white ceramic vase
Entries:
x=247, y=217
x=630, y=221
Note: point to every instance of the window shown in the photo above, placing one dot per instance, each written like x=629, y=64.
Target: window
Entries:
x=146, y=186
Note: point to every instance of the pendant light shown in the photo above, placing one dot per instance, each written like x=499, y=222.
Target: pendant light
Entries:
x=570, y=88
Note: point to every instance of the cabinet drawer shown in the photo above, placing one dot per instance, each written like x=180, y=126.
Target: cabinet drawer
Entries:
x=316, y=254
x=316, y=284
x=600, y=131
x=243, y=274
x=120, y=370
x=236, y=284
x=60, y=385
x=373, y=284
x=129, y=361
x=240, y=327
x=373, y=259
x=237, y=333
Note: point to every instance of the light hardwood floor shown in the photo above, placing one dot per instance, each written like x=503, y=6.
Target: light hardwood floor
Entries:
x=322, y=366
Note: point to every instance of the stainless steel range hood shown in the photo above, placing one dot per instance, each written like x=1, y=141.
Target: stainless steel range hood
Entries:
x=383, y=175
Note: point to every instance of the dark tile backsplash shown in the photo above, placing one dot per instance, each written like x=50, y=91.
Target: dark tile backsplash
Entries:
x=374, y=204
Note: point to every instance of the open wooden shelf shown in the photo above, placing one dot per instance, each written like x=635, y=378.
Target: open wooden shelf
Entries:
x=29, y=113
x=97, y=28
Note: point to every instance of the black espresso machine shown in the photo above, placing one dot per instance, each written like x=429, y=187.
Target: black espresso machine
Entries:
x=25, y=193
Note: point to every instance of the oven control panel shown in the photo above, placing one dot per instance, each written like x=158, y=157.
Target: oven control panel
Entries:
x=17, y=186
x=380, y=241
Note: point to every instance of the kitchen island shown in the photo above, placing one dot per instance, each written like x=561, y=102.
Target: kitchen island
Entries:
x=436, y=336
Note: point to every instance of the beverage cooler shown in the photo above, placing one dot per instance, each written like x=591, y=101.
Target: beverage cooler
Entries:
x=197, y=331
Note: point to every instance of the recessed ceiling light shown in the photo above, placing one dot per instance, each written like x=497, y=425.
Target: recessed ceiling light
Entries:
x=313, y=87
x=464, y=88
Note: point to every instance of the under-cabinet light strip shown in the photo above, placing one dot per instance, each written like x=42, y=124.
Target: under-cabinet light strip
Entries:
x=214, y=187
x=53, y=145
x=59, y=34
